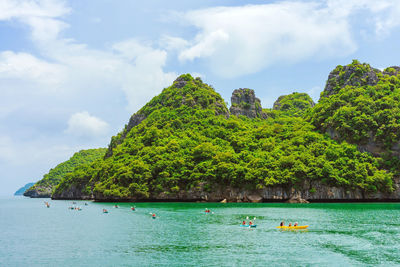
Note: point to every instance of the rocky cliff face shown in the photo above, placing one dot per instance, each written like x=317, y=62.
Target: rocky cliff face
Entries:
x=372, y=146
x=368, y=104
x=355, y=74
x=38, y=192
x=244, y=102
x=74, y=192
x=311, y=191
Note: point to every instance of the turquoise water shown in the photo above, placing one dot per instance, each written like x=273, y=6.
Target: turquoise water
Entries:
x=361, y=234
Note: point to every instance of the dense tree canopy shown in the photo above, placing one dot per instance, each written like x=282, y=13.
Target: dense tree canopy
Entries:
x=54, y=176
x=363, y=112
x=187, y=141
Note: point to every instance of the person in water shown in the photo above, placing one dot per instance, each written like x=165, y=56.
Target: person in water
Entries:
x=282, y=223
x=250, y=223
x=154, y=215
x=244, y=222
x=290, y=224
x=295, y=224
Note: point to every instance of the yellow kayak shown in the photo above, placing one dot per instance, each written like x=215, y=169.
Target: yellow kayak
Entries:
x=293, y=227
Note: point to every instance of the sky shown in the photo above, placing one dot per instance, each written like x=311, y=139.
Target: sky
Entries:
x=73, y=72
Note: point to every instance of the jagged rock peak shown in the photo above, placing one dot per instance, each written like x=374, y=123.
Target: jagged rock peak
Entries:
x=244, y=102
x=180, y=81
x=393, y=70
x=185, y=90
x=355, y=74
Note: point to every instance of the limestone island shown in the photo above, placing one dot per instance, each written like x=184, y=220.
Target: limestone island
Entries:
x=186, y=145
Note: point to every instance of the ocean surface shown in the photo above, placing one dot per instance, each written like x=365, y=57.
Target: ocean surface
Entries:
x=345, y=234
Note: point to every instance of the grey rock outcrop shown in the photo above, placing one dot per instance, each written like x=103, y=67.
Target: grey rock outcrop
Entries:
x=392, y=71
x=38, y=192
x=372, y=146
x=244, y=102
x=350, y=75
x=357, y=74
x=297, y=199
x=74, y=192
x=180, y=82
x=310, y=191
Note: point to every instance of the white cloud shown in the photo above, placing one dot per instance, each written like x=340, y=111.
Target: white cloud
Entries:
x=206, y=45
x=85, y=125
x=27, y=66
x=246, y=39
x=132, y=67
x=241, y=40
x=39, y=8
x=384, y=14
x=173, y=43
x=38, y=91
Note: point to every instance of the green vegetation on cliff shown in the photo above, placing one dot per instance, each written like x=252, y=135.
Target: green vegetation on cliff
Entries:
x=361, y=105
x=294, y=104
x=186, y=141
x=54, y=176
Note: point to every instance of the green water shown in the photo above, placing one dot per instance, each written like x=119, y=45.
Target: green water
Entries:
x=361, y=234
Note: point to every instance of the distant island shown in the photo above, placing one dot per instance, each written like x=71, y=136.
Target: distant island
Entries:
x=22, y=190
x=186, y=145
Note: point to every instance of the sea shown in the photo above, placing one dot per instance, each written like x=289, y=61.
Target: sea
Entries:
x=339, y=234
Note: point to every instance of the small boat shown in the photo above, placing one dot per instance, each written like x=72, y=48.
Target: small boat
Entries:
x=293, y=227
x=249, y=226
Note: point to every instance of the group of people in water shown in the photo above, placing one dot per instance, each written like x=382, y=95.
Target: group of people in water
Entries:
x=153, y=215
x=251, y=222
x=133, y=208
x=290, y=224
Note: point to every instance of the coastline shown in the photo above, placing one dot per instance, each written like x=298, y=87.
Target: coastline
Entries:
x=315, y=191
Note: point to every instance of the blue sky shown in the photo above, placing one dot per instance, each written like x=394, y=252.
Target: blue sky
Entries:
x=73, y=72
